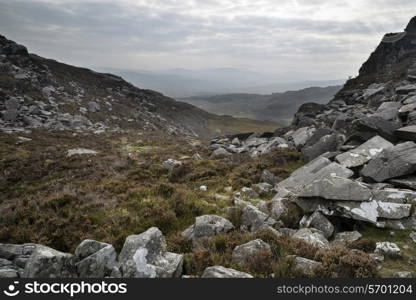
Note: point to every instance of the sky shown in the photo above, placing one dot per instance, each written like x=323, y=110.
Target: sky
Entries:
x=311, y=39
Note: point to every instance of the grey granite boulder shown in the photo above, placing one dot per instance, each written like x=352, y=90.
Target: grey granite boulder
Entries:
x=318, y=221
x=145, y=256
x=407, y=133
x=393, y=162
x=95, y=259
x=207, y=226
x=365, y=152
x=328, y=143
x=243, y=254
x=313, y=237
x=46, y=262
x=221, y=272
x=304, y=266
x=388, y=249
x=368, y=127
x=268, y=177
x=318, y=168
x=337, y=188
x=346, y=237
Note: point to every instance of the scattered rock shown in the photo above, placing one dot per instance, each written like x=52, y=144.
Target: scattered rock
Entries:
x=346, y=237
x=96, y=259
x=145, y=256
x=392, y=162
x=80, y=151
x=171, y=164
x=249, y=193
x=365, y=152
x=304, y=266
x=243, y=254
x=207, y=226
x=318, y=221
x=268, y=177
x=221, y=272
x=312, y=237
x=46, y=262
x=388, y=249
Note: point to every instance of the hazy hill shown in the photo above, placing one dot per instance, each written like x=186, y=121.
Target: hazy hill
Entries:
x=278, y=107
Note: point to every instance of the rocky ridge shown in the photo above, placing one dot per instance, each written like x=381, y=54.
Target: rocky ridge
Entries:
x=40, y=93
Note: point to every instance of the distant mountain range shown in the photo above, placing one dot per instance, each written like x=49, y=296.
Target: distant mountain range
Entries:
x=181, y=83
x=278, y=107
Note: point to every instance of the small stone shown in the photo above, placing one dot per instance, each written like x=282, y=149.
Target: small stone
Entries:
x=221, y=272
x=389, y=249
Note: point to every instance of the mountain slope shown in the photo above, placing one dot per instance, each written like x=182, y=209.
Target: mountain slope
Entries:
x=278, y=107
x=43, y=93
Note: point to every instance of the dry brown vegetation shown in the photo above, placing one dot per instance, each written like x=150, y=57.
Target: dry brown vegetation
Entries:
x=52, y=199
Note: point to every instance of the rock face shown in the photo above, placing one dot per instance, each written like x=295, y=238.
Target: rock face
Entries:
x=221, y=272
x=392, y=162
x=243, y=254
x=145, y=256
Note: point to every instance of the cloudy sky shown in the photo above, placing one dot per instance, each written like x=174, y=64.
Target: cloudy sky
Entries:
x=316, y=39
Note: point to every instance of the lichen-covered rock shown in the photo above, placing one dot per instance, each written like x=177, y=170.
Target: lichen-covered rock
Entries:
x=304, y=266
x=392, y=162
x=46, y=262
x=221, y=272
x=318, y=221
x=145, y=256
x=208, y=226
x=346, y=237
x=171, y=164
x=388, y=249
x=312, y=237
x=363, y=153
x=95, y=259
x=243, y=254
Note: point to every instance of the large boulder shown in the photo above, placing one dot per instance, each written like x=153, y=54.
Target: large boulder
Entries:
x=243, y=254
x=318, y=221
x=313, y=237
x=300, y=136
x=268, y=177
x=45, y=262
x=95, y=259
x=208, y=226
x=327, y=143
x=346, y=237
x=365, y=152
x=336, y=188
x=389, y=249
x=221, y=272
x=304, y=266
x=318, y=168
x=172, y=164
x=407, y=133
x=392, y=162
x=145, y=256
x=252, y=219
x=368, y=127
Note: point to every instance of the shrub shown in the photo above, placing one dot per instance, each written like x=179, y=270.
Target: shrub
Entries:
x=339, y=262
